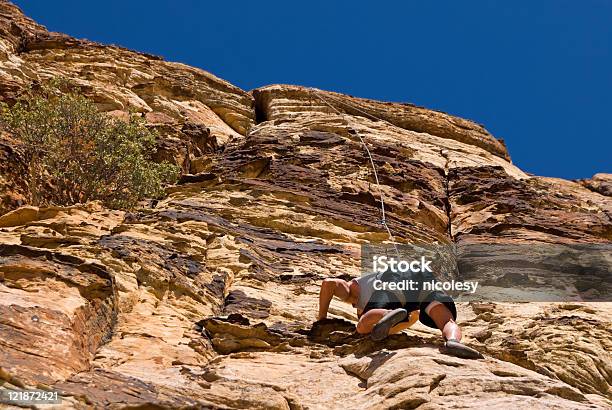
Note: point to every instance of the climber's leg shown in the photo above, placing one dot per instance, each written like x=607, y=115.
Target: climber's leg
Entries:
x=437, y=309
x=368, y=320
x=383, y=327
x=381, y=302
x=443, y=318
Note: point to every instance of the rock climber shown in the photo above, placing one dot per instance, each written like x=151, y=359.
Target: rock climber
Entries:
x=385, y=312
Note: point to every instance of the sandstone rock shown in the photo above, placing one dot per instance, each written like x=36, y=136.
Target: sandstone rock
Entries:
x=601, y=183
x=19, y=216
x=280, y=102
x=208, y=297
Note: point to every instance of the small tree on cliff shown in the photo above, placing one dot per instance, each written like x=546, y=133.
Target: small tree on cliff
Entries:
x=77, y=154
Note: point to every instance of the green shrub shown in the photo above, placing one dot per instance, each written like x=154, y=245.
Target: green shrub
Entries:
x=77, y=154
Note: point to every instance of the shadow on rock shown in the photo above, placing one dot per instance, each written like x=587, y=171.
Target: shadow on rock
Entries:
x=235, y=333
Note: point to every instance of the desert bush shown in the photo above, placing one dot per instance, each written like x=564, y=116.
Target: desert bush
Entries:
x=77, y=154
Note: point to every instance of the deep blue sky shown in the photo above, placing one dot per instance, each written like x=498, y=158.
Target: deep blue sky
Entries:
x=536, y=73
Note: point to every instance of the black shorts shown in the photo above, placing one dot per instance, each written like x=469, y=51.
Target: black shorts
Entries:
x=386, y=300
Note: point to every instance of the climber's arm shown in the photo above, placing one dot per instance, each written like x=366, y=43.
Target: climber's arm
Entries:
x=329, y=289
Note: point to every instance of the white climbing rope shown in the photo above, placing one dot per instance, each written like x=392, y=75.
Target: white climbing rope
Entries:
x=383, y=220
x=372, y=116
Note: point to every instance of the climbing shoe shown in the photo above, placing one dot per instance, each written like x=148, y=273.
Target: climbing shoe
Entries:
x=384, y=325
x=454, y=347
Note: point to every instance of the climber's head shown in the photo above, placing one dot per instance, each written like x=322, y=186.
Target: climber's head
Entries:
x=353, y=296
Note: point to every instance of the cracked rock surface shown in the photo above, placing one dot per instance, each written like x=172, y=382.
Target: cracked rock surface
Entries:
x=207, y=299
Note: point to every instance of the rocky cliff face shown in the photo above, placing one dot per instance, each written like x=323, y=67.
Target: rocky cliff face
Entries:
x=208, y=297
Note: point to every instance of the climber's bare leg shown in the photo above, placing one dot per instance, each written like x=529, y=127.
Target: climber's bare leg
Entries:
x=412, y=318
x=369, y=319
x=443, y=318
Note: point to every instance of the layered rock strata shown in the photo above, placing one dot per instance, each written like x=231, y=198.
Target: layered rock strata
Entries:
x=208, y=297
